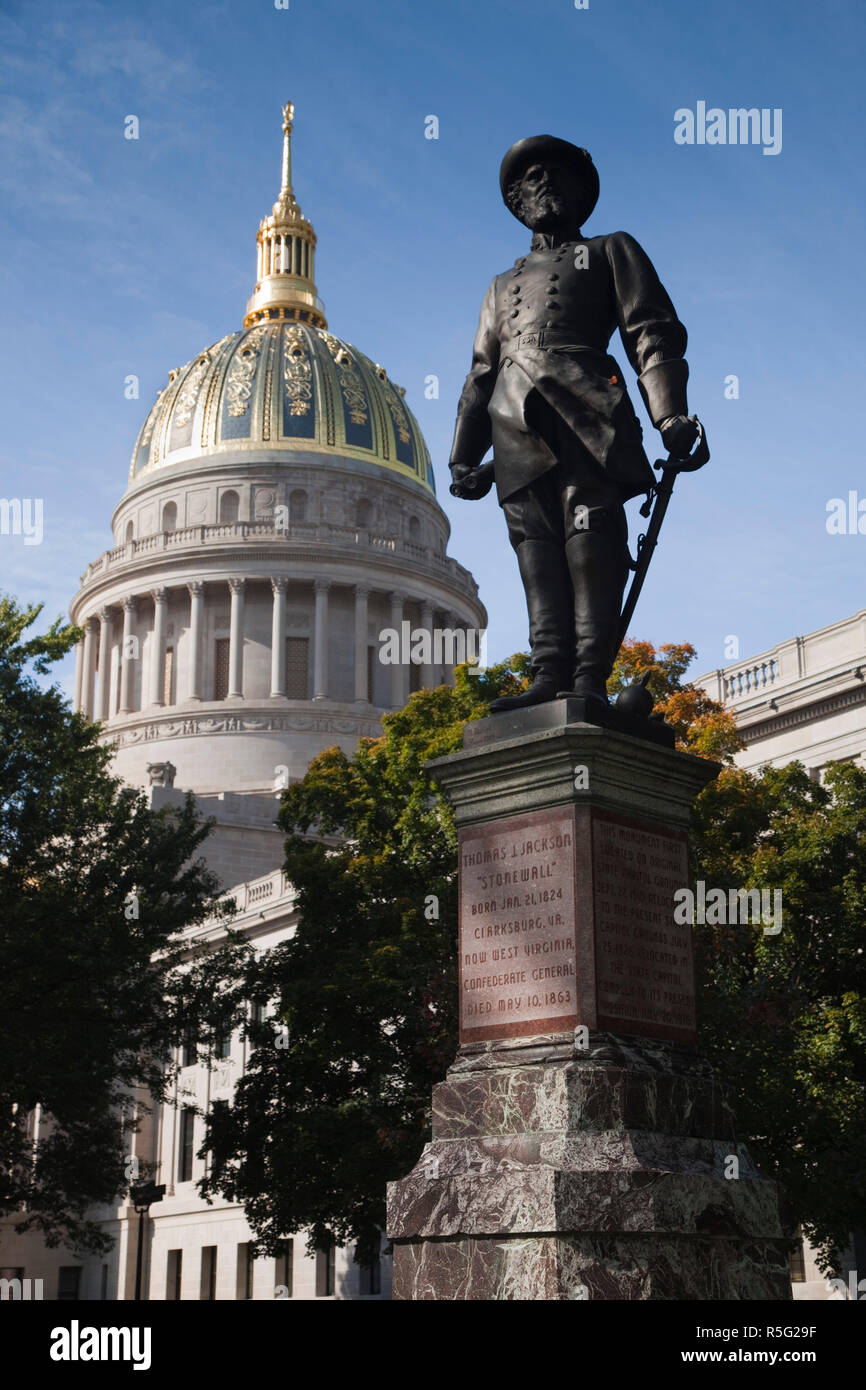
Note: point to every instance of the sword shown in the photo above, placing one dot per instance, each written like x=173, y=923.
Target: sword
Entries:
x=658, y=500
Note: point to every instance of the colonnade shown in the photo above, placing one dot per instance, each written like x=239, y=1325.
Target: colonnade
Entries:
x=94, y=652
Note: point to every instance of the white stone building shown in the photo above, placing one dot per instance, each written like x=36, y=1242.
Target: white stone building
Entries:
x=280, y=514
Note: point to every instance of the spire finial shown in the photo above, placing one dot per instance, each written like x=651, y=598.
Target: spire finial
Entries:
x=285, y=283
x=288, y=125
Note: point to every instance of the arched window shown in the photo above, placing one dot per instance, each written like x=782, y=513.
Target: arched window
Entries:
x=297, y=505
x=363, y=512
x=229, y=504
x=414, y=529
x=169, y=516
x=130, y=531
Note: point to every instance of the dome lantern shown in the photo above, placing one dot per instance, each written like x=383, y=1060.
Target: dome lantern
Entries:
x=285, y=284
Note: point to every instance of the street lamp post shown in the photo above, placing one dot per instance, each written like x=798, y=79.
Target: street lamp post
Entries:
x=143, y=1195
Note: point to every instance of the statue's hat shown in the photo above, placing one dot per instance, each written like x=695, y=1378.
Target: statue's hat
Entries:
x=537, y=148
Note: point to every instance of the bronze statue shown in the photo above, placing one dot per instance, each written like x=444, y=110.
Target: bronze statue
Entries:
x=545, y=393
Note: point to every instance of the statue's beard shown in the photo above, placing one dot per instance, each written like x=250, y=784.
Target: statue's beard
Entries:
x=544, y=212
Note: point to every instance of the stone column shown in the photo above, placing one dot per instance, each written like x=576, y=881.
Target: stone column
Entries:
x=79, y=675
x=128, y=654
x=89, y=667
x=362, y=594
x=453, y=624
x=236, y=640
x=398, y=670
x=428, y=668
x=582, y=1147
x=320, y=641
x=278, y=637
x=157, y=650
x=196, y=629
x=104, y=685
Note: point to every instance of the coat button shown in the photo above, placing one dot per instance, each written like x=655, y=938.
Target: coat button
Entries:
x=514, y=313
x=553, y=275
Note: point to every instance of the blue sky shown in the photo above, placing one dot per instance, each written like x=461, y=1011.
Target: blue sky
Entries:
x=126, y=257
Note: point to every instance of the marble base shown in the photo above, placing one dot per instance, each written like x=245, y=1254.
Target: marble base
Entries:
x=557, y=1173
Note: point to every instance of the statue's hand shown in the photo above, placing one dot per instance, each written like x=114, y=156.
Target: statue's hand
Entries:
x=679, y=433
x=459, y=472
x=470, y=484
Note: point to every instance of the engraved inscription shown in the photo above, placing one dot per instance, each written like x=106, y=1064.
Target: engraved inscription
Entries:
x=517, y=956
x=644, y=970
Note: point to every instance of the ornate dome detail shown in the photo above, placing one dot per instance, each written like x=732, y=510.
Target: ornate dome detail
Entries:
x=282, y=387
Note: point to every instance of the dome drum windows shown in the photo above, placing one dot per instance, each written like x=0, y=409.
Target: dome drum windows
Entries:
x=229, y=507
x=298, y=506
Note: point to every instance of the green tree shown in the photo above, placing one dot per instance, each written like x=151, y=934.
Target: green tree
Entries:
x=96, y=979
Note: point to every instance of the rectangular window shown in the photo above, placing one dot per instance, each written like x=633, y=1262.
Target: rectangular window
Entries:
x=371, y=1277
x=371, y=674
x=68, y=1283
x=298, y=668
x=325, y=1271
x=103, y=1285
x=285, y=1269
x=185, y=1146
x=246, y=1270
x=173, y=1276
x=414, y=678
x=189, y=1051
x=224, y=1045
x=168, y=677
x=798, y=1263
x=208, y=1274
x=221, y=668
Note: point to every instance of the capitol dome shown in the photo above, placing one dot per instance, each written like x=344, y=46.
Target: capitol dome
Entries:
x=279, y=515
x=277, y=387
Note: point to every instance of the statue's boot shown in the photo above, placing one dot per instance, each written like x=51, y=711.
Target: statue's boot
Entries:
x=546, y=582
x=598, y=563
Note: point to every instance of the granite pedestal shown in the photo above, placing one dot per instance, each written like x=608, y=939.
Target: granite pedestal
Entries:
x=582, y=1148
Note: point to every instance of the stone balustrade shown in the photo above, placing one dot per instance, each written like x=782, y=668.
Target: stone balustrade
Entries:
x=348, y=538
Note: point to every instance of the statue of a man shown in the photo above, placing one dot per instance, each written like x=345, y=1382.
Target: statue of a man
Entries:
x=544, y=392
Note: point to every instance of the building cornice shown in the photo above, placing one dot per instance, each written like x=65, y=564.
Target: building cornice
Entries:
x=756, y=730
